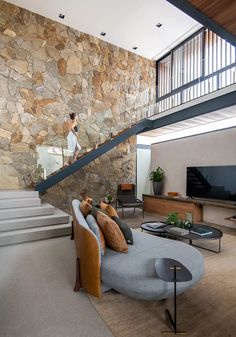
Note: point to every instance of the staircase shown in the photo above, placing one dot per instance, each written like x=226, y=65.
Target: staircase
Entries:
x=23, y=218
x=58, y=176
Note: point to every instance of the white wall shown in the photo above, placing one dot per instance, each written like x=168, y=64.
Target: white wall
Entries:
x=215, y=148
x=143, y=170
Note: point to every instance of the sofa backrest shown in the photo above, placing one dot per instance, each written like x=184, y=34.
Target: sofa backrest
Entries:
x=88, y=252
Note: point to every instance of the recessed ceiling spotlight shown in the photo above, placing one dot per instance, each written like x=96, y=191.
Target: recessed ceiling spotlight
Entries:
x=134, y=48
x=103, y=33
x=158, y=25
x=61, y=16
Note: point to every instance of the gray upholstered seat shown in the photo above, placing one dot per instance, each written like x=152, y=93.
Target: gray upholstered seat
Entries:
x=134, y=275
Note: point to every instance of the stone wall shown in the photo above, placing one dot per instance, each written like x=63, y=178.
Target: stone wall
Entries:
x=48, y=70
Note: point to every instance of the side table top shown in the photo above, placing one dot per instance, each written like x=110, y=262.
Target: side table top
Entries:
x=164, y=269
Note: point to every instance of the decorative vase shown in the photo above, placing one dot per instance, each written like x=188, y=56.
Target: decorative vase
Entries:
x=157, y=187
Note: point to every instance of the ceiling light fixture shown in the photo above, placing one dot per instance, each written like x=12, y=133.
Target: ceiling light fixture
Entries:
x=158, y=25
x=61, y=16
x=134, y=48
x=103, y=33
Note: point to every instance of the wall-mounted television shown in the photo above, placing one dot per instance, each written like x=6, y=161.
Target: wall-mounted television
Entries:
x=212, y=182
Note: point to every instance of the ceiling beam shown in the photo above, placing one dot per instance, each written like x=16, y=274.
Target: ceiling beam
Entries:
x=202, y=108
x=205, y=20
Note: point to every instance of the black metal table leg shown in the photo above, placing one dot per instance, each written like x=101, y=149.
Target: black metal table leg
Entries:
x=174, y=321
x=210, y=250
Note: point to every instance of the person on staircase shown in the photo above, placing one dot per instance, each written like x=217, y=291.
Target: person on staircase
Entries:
x=73, y=145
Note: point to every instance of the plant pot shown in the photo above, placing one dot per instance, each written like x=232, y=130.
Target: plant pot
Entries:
x=157, y=187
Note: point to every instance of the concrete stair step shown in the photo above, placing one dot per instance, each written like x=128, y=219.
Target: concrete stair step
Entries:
x=59, y=217
x=24, y=212
x=18, y=194
x=34, y=234
x=16, y=203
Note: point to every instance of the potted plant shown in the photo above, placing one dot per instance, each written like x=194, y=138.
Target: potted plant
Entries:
x=157, y=176
x=173, y=219
x=108, y=199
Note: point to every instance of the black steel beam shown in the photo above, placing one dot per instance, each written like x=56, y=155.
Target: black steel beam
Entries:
x=199, y=16
x=202, y=108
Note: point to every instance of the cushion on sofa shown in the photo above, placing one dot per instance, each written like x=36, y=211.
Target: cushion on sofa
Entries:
x=102, y=205
x=109, y=209
x=85, y=208
x=113, y=235
x=125, y=230
x=88, y=199
x=95, y=210
x=93, y=225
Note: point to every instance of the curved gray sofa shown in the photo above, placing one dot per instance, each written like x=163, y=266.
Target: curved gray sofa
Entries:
x=133, y=273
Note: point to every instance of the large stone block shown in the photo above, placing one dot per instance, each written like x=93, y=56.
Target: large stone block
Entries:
x=74, y=65
x=9, y=177
x=18, y=65
x=5, y=134
x=4, y=87
x=20, y=147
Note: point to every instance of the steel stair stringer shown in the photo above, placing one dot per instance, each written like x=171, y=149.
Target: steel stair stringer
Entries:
x=92, y=155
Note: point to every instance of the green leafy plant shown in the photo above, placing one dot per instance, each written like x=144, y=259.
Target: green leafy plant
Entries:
x=157, y=175
x=108, y=198
x=173, y=219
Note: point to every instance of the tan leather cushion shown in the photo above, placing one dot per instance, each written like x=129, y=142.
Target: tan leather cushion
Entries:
x=113, y=235
x=88, y=199
x=102, y=240
x=126, y=187
x=109, y=209
x=85, y=208
x=103, y=205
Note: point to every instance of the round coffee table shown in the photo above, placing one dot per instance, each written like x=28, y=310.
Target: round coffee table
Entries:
x=157, y=231
x=214, y=234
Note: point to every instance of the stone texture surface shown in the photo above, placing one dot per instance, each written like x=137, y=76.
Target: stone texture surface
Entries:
x=48, y=70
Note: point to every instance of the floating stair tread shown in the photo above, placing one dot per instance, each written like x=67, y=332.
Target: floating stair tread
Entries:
x=58, y=213
x=58, y=217
x=34, y=234
x=24, y=212
x=34, y=230
x=18, y=203
x=18, y=194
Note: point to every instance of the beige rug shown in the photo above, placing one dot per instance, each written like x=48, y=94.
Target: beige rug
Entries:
x=207, y=310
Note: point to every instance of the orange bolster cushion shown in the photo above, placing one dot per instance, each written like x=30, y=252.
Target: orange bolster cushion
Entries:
x=85, y=208
x=88, y=199
x=113, y=235
x=108, y=209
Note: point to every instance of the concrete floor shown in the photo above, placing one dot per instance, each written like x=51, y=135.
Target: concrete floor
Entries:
x=36, y=293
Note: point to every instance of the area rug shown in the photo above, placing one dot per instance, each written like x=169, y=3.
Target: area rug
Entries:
x=206, y=310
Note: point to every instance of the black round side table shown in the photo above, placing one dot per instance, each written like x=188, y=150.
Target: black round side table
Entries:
x=170, y=270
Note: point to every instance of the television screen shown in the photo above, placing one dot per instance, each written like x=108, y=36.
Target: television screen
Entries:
x=212, y=182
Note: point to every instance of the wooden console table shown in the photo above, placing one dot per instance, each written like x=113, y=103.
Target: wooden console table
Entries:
x=164, y=205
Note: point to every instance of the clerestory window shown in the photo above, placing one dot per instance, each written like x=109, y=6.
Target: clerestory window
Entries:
x=200, y=65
